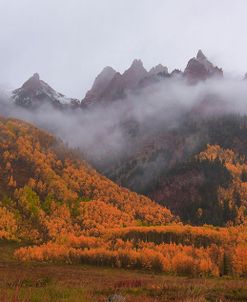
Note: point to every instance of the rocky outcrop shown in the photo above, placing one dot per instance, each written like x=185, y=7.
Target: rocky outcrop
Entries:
x=116, y=87
x=200, y=69
x=100, y=84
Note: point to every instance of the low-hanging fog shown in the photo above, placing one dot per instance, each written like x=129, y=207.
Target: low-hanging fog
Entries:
x=106, y=132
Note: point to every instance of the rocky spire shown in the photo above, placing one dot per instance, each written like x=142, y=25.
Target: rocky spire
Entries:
x=137, y=63
x=120, y=83
x=32, y=83
x=100, y=83
x=36, y=76
x=200, y=55
x=132, y=76
x=199, y=68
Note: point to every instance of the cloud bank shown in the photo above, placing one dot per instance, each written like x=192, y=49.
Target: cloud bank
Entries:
x=108, y=133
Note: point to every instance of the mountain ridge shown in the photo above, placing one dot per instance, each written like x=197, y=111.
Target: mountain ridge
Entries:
x=110, y=85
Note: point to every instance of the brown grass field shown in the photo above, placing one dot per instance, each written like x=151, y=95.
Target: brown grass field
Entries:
x=73, y=283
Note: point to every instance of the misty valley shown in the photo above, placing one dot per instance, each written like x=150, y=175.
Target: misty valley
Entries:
x=128, y=193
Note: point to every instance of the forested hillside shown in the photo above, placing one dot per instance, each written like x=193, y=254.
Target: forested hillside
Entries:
x=197, y=170
x=60, y=209
x=47, y=191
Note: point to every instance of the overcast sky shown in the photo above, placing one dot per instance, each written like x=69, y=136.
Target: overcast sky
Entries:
x=68, y=42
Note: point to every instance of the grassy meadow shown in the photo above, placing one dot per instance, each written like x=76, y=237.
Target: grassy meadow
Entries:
x=38, y=282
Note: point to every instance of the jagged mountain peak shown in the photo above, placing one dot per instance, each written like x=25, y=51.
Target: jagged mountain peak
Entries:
x=35, y=92
x=200, y=55
x=111, y=85
x=134, y=73
x=137, y=63
x=158, y=69
x=121, y=83
x=136, y=69
x=100, y=83
x=105, y=75
x=200, y=68
x=36, y=76
x=107, y=70
x=33, y=82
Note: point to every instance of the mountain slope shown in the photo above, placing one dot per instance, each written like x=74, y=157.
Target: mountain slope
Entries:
x=64, y=211
x=200, y=183
x=49, y=190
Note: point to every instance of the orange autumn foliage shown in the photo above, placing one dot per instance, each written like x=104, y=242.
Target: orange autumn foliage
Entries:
x=36, y=166
x=218, y=257
x=70, y=213
x=8, y=225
